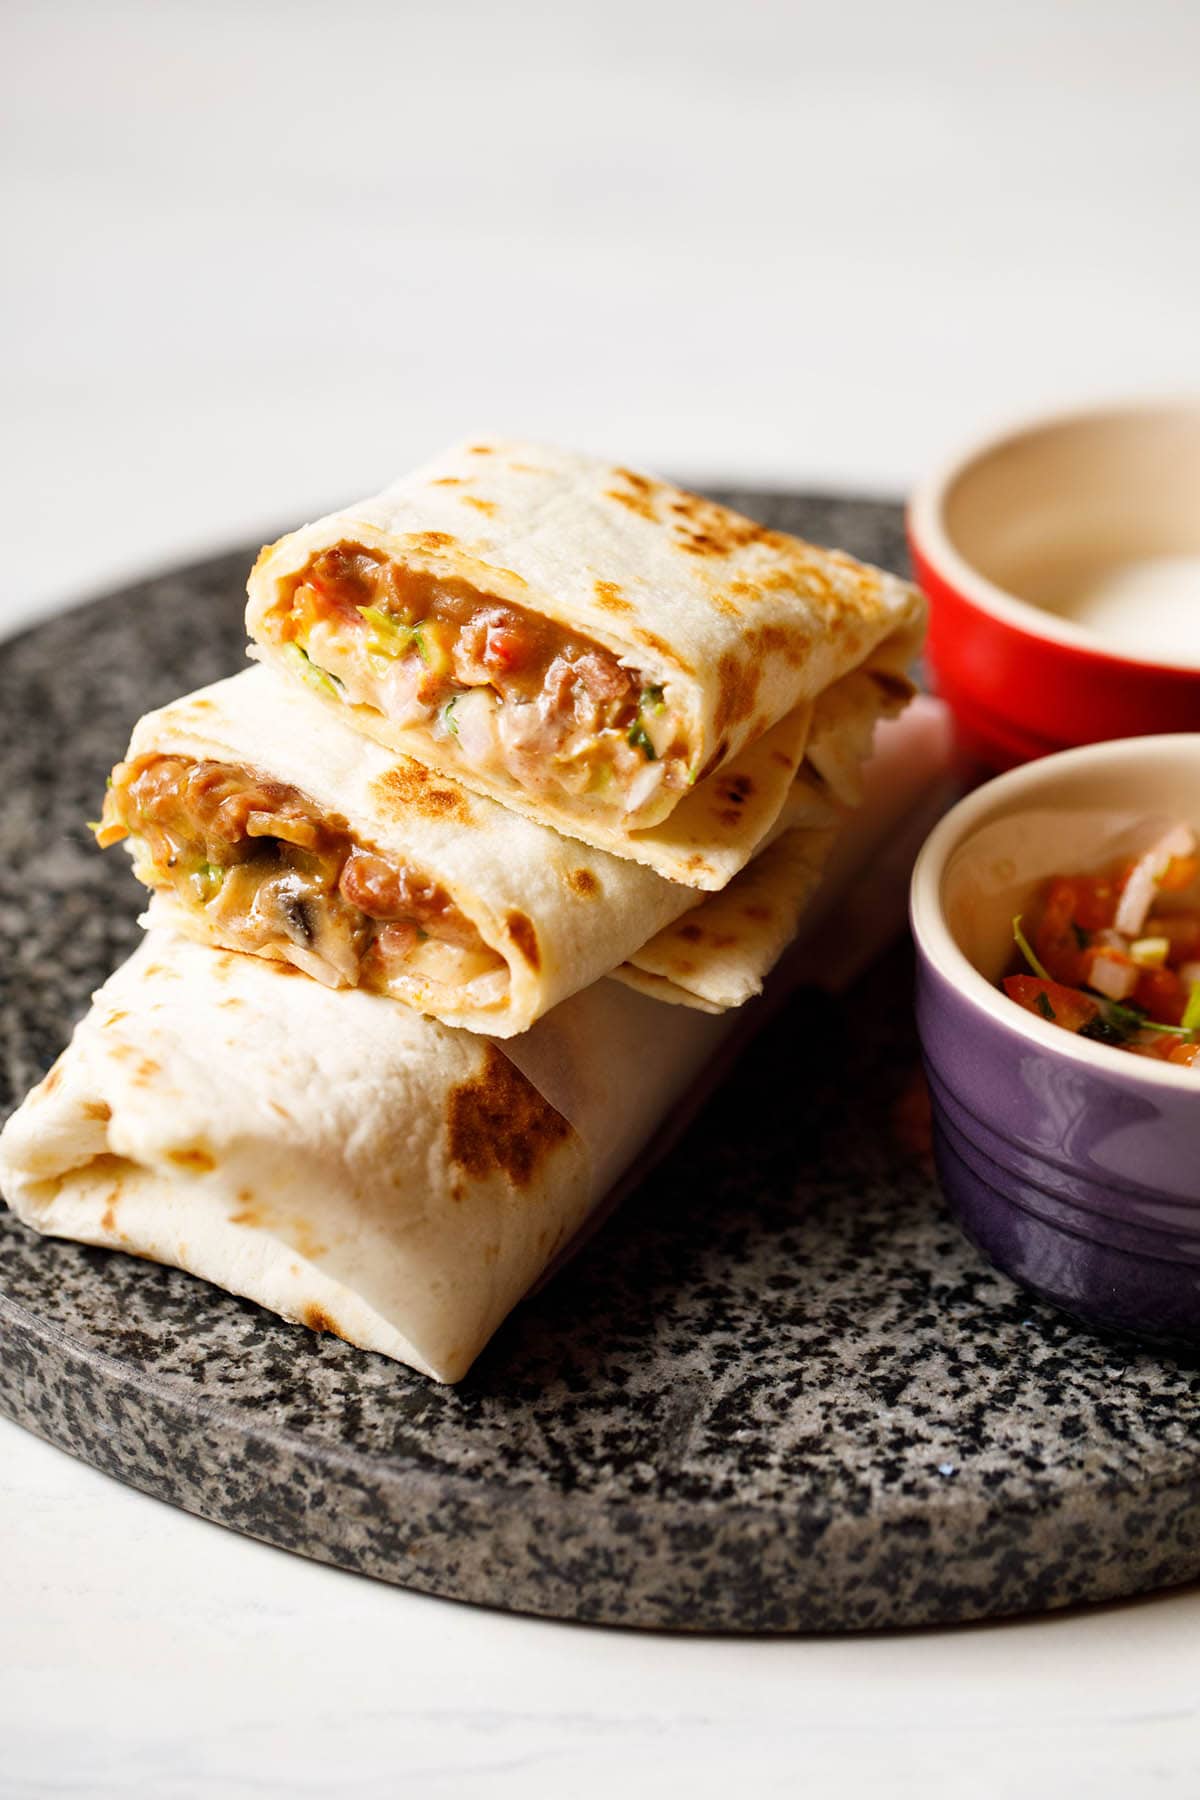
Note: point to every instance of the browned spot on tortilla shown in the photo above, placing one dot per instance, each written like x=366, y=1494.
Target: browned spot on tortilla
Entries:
x=523, y=933
x=53, y=1078
x=97, y=1109
x=715, y=760
x=200, y=705
x=642, y=484
x=694, y=934
x=245, y=1196
x=447, y=481
x=734, y=790
x=457, y=1191
x=317, y=1319
x=193, y=1156
x=609, y=595
x=483, y=506
x=481, y=450
x=114, y=1018
x=737, y=690
x=583, y=883
x=760, y=914
x=782, y=758
x=696, y=862
x=433, y=540
x=281, y=1110
x=635, y=502
x=528, y=469
x=654, y=642
x=410, y=786
x=490, y=1252
x=499, y=1122
x=147, y=1069
x=682, y=966
x=233, y=1000
x=730, y=818
x=108, y=1218
x=724, y=603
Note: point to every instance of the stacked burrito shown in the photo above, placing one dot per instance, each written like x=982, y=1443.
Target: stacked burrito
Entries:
x=454, y=893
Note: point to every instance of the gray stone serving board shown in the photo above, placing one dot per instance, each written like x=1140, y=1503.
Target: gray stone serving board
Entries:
x=778, y=1391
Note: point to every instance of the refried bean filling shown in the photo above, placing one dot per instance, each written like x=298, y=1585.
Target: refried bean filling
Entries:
x=270, y=875
x=517, y=691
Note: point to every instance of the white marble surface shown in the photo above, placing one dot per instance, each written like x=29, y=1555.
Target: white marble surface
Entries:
x=259, y=257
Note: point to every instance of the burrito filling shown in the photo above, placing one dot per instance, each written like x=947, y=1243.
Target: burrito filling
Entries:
x=270, y=875
x=522, y=697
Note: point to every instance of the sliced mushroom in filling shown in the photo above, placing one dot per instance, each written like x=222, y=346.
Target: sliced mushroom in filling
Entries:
x=523, y=699
x=274, y=877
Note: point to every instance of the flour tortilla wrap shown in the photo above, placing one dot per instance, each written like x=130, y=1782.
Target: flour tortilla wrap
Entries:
x=731, y=630
x=339, y=1160
x=552, y=915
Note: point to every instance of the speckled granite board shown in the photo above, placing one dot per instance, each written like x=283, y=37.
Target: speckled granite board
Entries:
x=777, y=1392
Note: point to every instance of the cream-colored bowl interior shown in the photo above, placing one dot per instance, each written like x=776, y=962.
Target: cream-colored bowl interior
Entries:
x=1093, y=518
x=1078, y=811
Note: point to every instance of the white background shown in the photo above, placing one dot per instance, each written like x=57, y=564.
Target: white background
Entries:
x=258, y=258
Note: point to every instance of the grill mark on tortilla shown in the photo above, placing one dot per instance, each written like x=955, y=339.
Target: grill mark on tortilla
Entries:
x=498, y=1122
x=737, y=690
x=609, y=595
x=524, y=935
x=583, y=883
x=715, y=760
x=653, y=642
x=193, y=1156
x=636, y=503
x=410, y=785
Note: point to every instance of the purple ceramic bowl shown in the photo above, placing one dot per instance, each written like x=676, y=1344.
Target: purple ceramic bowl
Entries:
x=1074, y=1166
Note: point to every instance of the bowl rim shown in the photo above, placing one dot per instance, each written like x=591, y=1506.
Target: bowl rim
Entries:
x=935, y=942
x=930, y=539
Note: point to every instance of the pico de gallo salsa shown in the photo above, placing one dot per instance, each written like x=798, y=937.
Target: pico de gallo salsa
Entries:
x=1115, y=956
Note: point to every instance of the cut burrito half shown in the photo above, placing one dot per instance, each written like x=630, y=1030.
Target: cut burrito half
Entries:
x=263, y=823
x=592, y=647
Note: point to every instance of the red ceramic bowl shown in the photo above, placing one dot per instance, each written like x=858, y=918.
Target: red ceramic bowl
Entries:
x=1062, y=566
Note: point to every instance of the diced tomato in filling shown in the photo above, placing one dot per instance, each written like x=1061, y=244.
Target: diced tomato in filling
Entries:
x=1137, y=992
x=408, y=643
